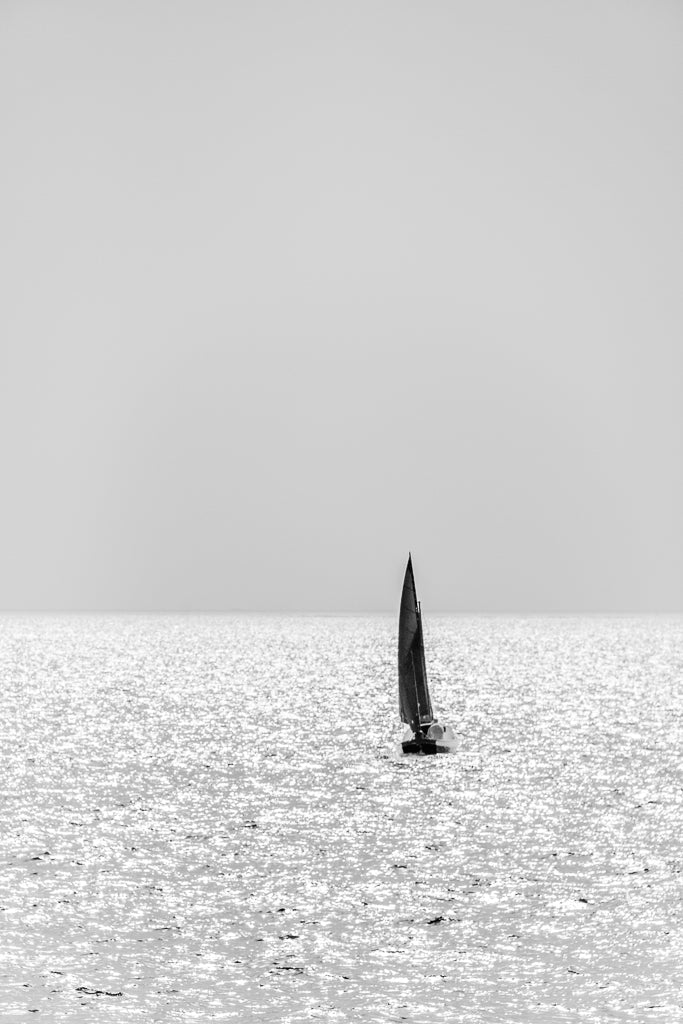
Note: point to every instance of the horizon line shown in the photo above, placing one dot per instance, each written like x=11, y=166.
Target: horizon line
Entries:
x=337, y=611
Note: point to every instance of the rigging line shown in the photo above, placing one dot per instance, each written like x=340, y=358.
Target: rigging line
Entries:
x=417, y=694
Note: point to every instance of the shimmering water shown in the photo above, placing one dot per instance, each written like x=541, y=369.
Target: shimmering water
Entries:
x=205, y=818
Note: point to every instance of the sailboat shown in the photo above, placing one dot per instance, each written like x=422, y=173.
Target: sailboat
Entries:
x=425, y=734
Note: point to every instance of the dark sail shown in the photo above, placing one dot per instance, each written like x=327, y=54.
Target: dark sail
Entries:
x=414, y=702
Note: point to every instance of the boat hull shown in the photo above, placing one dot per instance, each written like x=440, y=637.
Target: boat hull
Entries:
x=437, y=739
x=423, y=747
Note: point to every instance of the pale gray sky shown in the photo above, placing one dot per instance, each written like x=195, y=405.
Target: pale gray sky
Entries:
x=292, y=287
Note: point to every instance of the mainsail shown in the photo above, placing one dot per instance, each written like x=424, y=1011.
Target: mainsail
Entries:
x=414, y=702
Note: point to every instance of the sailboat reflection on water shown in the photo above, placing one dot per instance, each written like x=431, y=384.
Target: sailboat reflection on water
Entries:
x=425, y=734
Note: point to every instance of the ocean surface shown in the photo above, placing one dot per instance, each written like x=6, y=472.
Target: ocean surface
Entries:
x=209, y=818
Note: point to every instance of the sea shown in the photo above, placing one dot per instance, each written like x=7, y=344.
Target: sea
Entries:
x=209, y=818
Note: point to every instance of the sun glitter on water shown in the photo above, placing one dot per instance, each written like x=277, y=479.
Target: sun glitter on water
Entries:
x=203, y=820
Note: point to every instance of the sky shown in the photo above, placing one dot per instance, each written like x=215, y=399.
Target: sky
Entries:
x=294, y=287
